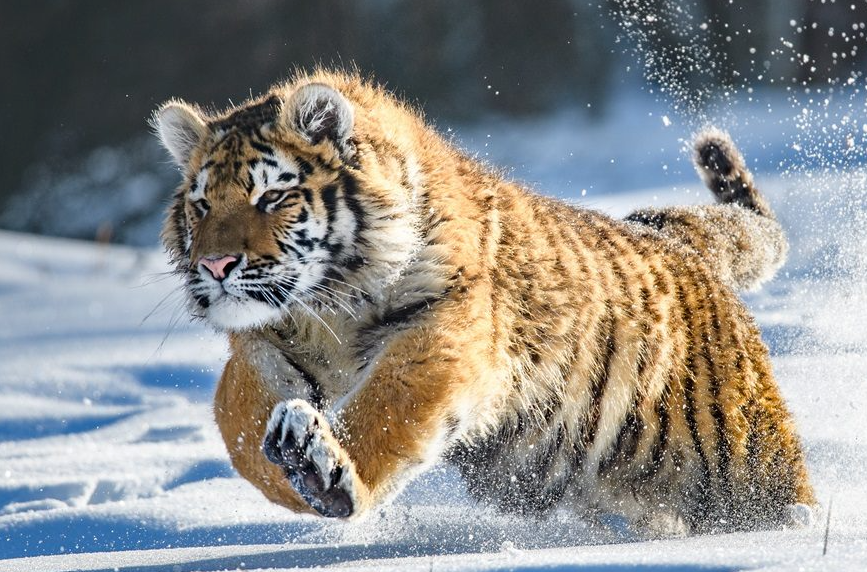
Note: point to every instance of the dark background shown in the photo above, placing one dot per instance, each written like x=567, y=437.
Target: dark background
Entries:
x=80, y=79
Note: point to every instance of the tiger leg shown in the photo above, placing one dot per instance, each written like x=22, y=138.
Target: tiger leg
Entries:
x=395, y=424
x=242, y=404
x=777, y=481
x=739, y=236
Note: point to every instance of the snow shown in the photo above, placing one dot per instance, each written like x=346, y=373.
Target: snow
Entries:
x=110, y=459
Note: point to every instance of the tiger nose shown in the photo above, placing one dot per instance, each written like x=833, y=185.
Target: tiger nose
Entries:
x=219, y=266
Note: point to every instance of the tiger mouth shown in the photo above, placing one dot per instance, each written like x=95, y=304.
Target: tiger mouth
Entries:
x=221, y=294
x=234, y=312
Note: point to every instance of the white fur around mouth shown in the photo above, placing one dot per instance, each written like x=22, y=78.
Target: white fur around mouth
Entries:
x=229, y=312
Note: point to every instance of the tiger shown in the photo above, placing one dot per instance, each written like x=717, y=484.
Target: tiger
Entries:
x=392, y=302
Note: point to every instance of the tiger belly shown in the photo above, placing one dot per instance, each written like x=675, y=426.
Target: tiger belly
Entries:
x=519, y=469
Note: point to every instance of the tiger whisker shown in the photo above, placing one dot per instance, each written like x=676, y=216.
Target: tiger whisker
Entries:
x=337, y=301
x=347, y=295
x=344, y=304
x=314, y=314
x=175, y=319
x=347, y=284
x=159, y=305
x=271, y=299
x=154, y=277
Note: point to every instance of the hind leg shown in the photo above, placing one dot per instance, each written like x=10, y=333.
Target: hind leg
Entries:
x=739, y=236
x=775, y=483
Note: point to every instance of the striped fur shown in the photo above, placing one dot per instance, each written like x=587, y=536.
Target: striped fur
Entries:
x=395, y=303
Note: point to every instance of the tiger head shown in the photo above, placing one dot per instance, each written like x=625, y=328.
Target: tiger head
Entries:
x=283, y=203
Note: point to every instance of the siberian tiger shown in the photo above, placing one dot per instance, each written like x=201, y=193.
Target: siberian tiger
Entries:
x=391, y=302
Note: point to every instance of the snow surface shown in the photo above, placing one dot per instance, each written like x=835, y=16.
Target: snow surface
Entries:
x=110, y=459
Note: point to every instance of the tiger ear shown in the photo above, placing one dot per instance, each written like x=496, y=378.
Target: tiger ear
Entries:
x=318, y=112
x=180, y=128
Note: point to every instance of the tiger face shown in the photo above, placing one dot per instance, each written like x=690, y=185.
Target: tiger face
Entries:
x=269, y=213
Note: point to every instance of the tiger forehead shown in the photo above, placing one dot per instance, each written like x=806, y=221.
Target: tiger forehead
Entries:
x=248, y=118
x=239, y=137
x=250, y=163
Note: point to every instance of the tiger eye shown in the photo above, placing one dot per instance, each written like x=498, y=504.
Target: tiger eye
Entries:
x=272, y=196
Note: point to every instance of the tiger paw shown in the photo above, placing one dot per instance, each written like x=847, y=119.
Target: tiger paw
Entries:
x=299, y=441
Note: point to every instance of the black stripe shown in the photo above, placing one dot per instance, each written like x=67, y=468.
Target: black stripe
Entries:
x=745, y=195
x=290, y=200
x=689, y=411
x=641, y=362
x=477, y=462
x=334, y=248
x=353, y=263
x=551, y=494
x=302, y=240
x=261, y=148
x=260, y=296
x=691, y=422
x=452, y=424
x=305, y=167
x=599, y=381
x=308, y=195
x=287, y=248
x=715, y=160
x=286, y=177
x=251, y=117
x=329, y=201
x=654, y=219
x=547, y=456
x=643, y=351
x=402, y=315
x=632, y=436
x=202, y=301
x=627, y=439
x=657, y=454
x=350, y=195
x=180, y=221
x=529, y=492
x=723, y=444
x=629, y=435
x=578, y=455
x=314, y=387
x=753, y=442
x=370, y=336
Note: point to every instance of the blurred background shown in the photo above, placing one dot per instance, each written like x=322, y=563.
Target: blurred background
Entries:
x=80, y=80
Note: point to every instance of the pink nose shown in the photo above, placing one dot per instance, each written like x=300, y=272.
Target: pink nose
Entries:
x=217, y=265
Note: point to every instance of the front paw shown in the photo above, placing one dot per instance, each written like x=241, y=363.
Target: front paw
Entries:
x=299, y=441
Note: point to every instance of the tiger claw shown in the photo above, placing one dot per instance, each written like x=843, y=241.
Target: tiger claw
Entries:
x=298, y=442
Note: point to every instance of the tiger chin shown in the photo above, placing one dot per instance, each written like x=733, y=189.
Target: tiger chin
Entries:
x=390, y=303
